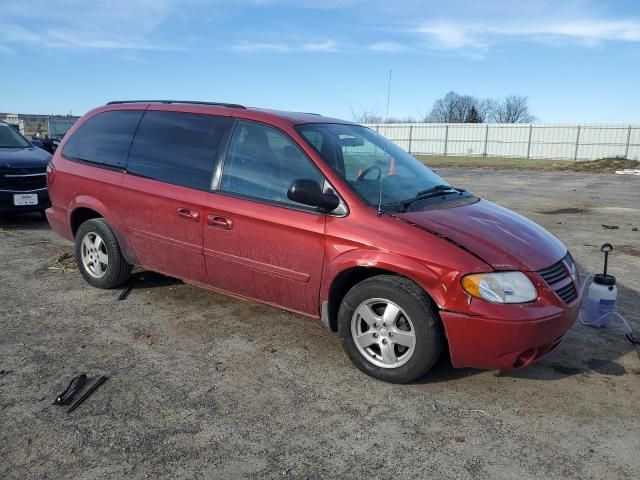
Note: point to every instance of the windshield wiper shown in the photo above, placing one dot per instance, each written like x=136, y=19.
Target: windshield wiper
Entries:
x=439, y=188
x=436, y=191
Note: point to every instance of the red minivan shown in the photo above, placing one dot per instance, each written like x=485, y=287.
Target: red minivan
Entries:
x=318, y=216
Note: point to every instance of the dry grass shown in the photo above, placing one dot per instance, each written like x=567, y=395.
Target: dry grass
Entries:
x=605, y=165
x=62, y=261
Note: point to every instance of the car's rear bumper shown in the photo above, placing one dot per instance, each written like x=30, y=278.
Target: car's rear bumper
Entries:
x=7, y=205
x=58, y=218
x=482, y=342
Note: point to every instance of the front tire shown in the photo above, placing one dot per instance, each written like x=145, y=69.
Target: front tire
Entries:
x=390, y=329
x=98, y=255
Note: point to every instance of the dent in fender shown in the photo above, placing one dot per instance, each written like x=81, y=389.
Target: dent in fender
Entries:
x=418, y=273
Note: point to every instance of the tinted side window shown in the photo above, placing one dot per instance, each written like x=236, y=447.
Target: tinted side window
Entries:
x=105, y=138
x=178, y=148
x=262, y=163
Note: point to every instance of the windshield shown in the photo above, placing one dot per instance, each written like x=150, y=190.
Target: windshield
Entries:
x=367, y=160
x=9, y=138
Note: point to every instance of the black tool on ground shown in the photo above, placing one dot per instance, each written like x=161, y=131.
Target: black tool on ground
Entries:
x=92, y=387
x=75, y=385
x=125, y=293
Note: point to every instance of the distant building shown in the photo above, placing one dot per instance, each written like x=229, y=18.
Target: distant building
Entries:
x=59, y=125
x=34, y=125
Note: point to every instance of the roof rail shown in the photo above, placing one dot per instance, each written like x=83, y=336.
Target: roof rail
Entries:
x=191, y=102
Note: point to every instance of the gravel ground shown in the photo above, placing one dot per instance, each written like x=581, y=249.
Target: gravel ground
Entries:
x=205, y=386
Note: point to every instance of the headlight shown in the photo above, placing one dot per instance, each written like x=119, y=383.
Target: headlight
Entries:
x=500, y=287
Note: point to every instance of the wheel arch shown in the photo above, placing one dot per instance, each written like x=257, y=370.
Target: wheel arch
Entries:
x=87, y=208
x=81, y=215
x=346, y=273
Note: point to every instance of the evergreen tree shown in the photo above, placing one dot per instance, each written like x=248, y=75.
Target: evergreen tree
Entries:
x=473, y=116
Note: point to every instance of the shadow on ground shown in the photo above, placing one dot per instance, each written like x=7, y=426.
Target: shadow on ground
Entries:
x=23, y=221
x=149, y=279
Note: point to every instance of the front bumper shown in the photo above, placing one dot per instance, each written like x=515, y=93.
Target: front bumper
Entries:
x=500, y=343
x=7, y=206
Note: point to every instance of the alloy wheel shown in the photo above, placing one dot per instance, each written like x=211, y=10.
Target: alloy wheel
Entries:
x=95, y=258
x=383, y=333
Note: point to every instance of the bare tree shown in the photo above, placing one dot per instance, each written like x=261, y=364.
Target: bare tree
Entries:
x=365, y=115
x=486, y=108
x=407, y=119
x=513, y=109
x=371, y=115
x=455, y=108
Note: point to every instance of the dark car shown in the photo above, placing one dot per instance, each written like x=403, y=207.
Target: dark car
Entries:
x=48, y=144
x=23, y=173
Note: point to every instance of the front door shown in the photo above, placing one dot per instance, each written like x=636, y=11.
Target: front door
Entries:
x=258, y=243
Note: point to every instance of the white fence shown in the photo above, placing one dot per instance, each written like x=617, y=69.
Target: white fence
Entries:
x=546, y=141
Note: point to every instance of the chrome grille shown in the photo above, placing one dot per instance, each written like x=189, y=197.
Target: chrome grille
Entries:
x=23, y=179
x=559, y=278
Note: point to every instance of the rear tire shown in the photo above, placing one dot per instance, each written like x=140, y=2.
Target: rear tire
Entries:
x=390, y=329
x=98, y=255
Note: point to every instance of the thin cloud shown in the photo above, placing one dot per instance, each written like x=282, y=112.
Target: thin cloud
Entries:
x=169, y=25
x=265, y=47
x=451, y=35
x=326, y=46
x=116, y=25
x=389, y=47
x=251, y=47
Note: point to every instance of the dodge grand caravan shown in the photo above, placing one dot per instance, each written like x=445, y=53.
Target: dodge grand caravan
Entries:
x=318, y=216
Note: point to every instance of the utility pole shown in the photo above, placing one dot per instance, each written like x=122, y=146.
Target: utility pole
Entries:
x=388, y=94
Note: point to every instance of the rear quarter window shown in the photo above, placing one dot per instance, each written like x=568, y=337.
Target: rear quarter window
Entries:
x=178, y=148
x=104, y=138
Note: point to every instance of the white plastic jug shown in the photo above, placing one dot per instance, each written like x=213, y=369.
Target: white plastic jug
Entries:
x=600, y=303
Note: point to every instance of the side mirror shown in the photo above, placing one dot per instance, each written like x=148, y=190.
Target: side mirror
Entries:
x=309, y=192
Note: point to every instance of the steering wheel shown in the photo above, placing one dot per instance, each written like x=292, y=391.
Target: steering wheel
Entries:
x=376, y=166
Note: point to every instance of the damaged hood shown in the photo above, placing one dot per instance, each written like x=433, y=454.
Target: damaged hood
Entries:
x=500, y=237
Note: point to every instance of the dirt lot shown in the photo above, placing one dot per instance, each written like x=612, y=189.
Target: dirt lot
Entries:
x=204, y=386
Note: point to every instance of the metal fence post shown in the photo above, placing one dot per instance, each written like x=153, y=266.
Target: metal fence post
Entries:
x=446, y=138
x=575, y=156
x=529, y=144
x=410, y=137
x=626, y=150
x=486, y=139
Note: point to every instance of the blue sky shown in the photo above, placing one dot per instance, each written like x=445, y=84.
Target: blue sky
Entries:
x=576, y=60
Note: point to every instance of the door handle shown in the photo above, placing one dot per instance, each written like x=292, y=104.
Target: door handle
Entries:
x=188, y=214
x=217, y=221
